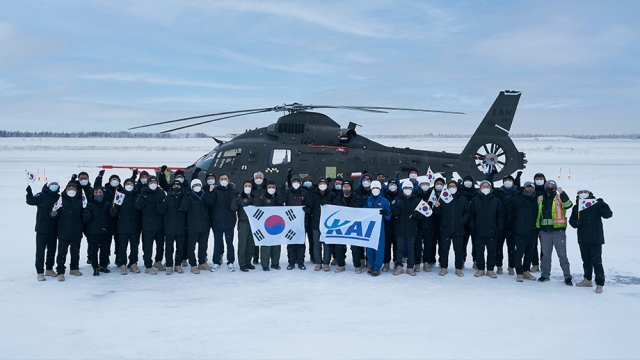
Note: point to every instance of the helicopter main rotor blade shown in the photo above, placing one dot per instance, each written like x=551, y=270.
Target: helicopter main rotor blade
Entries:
x=201, y=116
x=347, y=108
x=403, y=109
x=212, y=120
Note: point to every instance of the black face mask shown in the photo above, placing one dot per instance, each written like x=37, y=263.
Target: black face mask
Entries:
x=550, y=191
x=177, y=190
x=528, y=192
x=346, y=192
x=99, y=197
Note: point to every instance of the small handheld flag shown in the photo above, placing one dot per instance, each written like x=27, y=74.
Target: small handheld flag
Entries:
x=586, y=203
x=31, y=177
x=84, y=200
x=57, y=205
x=446, y=196
x=424, y=209
x=433, y=198
x=119, y=198
x=431, y=176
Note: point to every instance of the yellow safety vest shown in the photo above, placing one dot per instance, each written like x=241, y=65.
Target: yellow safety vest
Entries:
x=558, y=213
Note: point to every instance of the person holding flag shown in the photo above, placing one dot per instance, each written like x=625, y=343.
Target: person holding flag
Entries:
x=97, y=220
x=454, y=212
x=69, y=217
x=552, y=222
x=296, y=196
x=426, y=227
x=128, y=226
x=269, y=254
x=406, y=227
x=348, y=198
x=46, y=227
x=438, y=186
x=587, y=217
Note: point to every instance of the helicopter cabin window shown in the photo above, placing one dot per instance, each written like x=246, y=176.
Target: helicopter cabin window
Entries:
x=227, y=158
x=280, y=156
x=205, y=161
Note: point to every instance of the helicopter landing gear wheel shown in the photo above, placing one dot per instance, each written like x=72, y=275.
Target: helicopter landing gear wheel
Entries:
x=494, y=158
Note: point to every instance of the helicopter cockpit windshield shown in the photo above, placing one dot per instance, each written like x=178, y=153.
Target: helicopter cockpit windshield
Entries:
x=227, y=158
x=205, y=161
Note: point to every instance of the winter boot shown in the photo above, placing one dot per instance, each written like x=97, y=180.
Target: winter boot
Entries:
x=535, y=268
x=326, y=268
x=479, y=273
x=527, y=275
x=358, y=270
x=244, y=268
x=50, y=273
x=398, y=270
x=150, y=271
x=492, y=274
x=123, y=270
x=185, y=263
x=96, y=272
x=499, y=270
x=230, y=267
x=426, y=267
x=519, y=278
x=301, y=266
x=334, y=261
x=475, y=266
x=251, y=267
x=104, y=269
x=60, y=277
x=568, y=282
x=169, y=270
x=178, y=269
x=416, y=268
x=204, y=266
x=41, y=277
x=459, y=273
x=511, y=271
x=585, y=283
x=158, y=265
x=75, y=273
x=599, y=289
x=214, y=267
x=386, y=267
x=265, y=268
x=289, y=267
x=134, y=268
x=340, y=269
x=411, y=272
x=543, y=279
x=443, y=272
x=195, y=270
x=318, y=267
x=375, y=273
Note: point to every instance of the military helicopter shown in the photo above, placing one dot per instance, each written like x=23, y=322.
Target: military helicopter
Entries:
x=313, y=144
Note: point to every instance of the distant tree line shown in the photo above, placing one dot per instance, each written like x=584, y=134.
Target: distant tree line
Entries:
x=98, y=134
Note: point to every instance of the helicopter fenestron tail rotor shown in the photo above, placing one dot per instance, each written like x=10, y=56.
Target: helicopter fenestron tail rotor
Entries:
x=290, y=108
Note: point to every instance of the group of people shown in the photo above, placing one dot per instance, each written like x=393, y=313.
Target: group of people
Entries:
x=174, y=217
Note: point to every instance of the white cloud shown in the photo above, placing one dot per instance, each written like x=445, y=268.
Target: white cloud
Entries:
x=150, y=79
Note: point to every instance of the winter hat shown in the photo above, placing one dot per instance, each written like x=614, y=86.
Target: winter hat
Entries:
x=452, y=182
x=551, y=182
x=210, y=175
x=392, y=181
x=347, y=182
x=53, y=180
x=529, y=183
x=296, y=178
x=322, y=179
x=406, y=184
x=540, y=175
x=71, y=184
x=308, y=178
x=441, y=180
x=583, y=187
x=129, y=180
x=378, y=173
x=469, y=178
x=114, y=176
x=508, y=177
x=411, y=169
x=143, y=173
x=485, y=182
x=366, y=176
x=152, y=179
x=376, y=184
x=196, y=182
x=179, y=172
x=176, y=182
x=83, y=173
x=338, y=178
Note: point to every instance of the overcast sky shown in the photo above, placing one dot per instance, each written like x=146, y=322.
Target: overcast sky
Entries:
x=110, y=65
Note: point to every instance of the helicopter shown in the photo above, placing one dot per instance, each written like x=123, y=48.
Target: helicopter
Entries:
x=313, y=144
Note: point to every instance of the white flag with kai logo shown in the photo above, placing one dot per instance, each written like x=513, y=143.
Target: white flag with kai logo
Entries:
x=350, y=226
x=276, y=225
x=119, y=198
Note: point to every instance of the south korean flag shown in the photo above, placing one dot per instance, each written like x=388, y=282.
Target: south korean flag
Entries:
x=276, y=225
x=424, y=208
x=586, y=203
x=446, y=196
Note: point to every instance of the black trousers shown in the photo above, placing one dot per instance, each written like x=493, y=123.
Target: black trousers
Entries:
x=535, y=258
x=63, y=248
x=148, y=239
x=510, y=238
x=340, y=253
x=409, y=242
x=45, y=243
x=465, y=244
x=309, y=232
x=435, y=245
x=116, y=247
x=124, y=240
x=169, y=242
x=592, y=261
x=490, y=245
x=256, y=253
x=445, y=245
x=357, y=254
x=389, y=244
x=220, y=237
x=424, y=245
x=202, y=239
x=525, y=247
x=99, y=243
x=295, y=253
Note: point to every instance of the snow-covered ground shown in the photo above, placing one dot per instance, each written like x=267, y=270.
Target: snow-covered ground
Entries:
x=308, y=314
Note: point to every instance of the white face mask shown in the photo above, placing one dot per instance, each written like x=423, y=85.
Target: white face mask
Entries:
x=375, y=192
x=84, y=182
x=508, y=184
x=247, y=190
x=307, y=184
x=224, y=183
x=322, y=187
x=271, y=191
x=583, y=195
x=366, y=183
x=114, y=183
x=485, y=191
x=453, y=190
x=539, y=182
x=407, y=191
x=439, y=187
x=128, y=187
x=143, y=181
x=424, y=187
x=468, y=184
x=413, y=176
x=153, y=186
x=197, y=188
x=211, y=182
x=71, y=193
x=295, y=185
x=393, y=188
x=181, y=179
x=258, y=181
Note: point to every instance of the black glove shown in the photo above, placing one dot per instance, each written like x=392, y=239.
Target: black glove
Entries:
x=163, y=168
x=29, y=191
x=74, y=177
x=384, y=212
x=364, y=171
x=415, y=214
x=519, y=173
x=289, y=171
x=398, y=174
x=329, y=180
x=197, y=170
x=101, y=173
x=135, y=170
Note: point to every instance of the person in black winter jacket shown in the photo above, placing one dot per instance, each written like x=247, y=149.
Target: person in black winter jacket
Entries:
x=46, y=227
x=175, y=224
x=390, y=193
x=348, y=198
x=539, y=180
x=439, y=184
x=469, y=190
x=70, y=225
x=128, y=227
x=296, y=196
x=486, y=222
x=269, y=254
x=525, y=231
x=98, y=219
x=507, y=193
x=321, y=196
x=453, y=217
x=109, y=189
x=590, y=235
x=224, y=222
x=148, y=202
x=406, y=226
x=426, y=231
x=177, y=176
x=246, y=243
x=196, y=204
